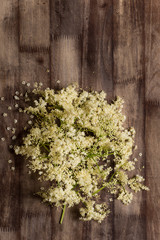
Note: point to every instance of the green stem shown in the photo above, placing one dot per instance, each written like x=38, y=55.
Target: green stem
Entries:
x=96, y=164
x=63, y=212
x=45, y=147
x=116, y=172
x=98, y=190
x=109, y=180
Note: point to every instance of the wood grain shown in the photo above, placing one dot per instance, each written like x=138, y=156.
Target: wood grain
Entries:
x=66, y=30
x=34, y=43
x=128, y=31
x=34, y=215
x=9, y=76
x=97, y=75
x=34, y=23
x=152, y=126
x=152, y=171
x=98, y=44
x=128, y=73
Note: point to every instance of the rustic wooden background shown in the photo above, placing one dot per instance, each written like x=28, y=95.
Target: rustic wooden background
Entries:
x=112, y=45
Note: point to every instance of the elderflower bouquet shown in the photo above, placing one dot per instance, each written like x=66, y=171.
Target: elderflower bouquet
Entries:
x=79, y=145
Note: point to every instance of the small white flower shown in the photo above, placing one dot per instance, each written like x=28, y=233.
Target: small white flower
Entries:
x=14, y=137
x=2, y=98
x=20, y=110
x=9, y=108
x=17, y=93
x=5, y=114
x=23, y=82
x=28, y=84
x=58, y=81
x=10, y=146
x=13, y=130
x=35, y=84
x=16, y=98
x=8, y=128
x=15, y=121
x=10, y=161
x=140, y=154
x=3, y=139
x=13, y=168
x=30, y=122
x=16, y=105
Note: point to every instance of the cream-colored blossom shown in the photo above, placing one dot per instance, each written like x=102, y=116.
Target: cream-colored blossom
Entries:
x=77, y=143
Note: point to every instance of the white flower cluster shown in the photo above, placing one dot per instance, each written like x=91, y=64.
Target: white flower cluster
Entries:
x=78, y=143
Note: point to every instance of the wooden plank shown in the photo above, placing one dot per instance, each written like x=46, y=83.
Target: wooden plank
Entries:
x=127, y=31
x=152, y=136
x=66, y=33
x=97, y=75
x=152, y=170
x=65, y=60
x=97, y=46
x=34, y=23
x=9, y=233
x=66, y=17
x=34, y=67
x=35, y=216
x=9, y=76
x=66, y=28
x=128, y=52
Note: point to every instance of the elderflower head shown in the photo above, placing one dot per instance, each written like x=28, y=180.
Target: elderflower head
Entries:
x=75, y=139
x=94, y=211
x=125, y=197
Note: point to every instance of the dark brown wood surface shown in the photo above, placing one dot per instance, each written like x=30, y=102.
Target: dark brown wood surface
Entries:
x=99, y=44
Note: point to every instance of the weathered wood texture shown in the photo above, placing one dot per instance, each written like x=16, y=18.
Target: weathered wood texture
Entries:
x=109, y=45
x=34, y=62
x=128, y=75
x=152, y=120
x=66, y=28
x=9, y=77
